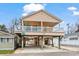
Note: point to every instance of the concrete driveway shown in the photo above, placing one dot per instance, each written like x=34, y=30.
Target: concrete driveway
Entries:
x=70, y=48
x=48, y=51
x=39, y=50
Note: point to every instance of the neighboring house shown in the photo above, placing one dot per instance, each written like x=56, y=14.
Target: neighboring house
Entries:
x=38, y=28
x=71, y=39
x=7, y=41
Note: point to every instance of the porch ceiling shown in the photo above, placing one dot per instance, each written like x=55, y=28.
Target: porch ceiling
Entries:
x=35, y=23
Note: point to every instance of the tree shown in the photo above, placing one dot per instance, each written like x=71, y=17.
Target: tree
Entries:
x=3, y=28
x=68, y=27
x=12, y=26
x=77, y=28
x=15, y=24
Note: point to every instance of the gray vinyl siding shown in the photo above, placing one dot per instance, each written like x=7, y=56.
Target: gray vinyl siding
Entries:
x=6, y=41
x=67, y=41
x=7, y=45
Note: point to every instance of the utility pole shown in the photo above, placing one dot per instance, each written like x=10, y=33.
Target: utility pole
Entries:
x=68, y=28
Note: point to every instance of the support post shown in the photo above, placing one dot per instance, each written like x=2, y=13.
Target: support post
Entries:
x=41, y=26
x=37, y=41
x=22, y=43
x=52, y=42
x=59, y=42
x=42, y=42
x=34, y=41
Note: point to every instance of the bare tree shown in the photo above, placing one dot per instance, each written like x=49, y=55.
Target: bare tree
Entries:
x=77, y=30
x=68, y=27
x=15, y=25
x=12, y=25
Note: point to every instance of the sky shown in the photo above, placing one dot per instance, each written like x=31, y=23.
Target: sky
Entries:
x=67, y=12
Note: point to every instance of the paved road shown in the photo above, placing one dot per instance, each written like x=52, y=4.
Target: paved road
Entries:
x=47, y=54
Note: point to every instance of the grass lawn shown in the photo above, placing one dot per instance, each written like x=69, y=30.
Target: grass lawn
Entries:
x=6, y=51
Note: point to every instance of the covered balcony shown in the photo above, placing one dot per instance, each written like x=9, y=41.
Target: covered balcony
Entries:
x=41, y=29
x=38, y=30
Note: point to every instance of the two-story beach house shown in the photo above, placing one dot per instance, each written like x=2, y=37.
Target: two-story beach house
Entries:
x=37, y=29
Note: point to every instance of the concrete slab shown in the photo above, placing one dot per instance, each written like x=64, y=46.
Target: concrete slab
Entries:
x=39, y=50
x=70, y=48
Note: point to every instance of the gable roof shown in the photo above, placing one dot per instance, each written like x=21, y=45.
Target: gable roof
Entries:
x=33, y=13
x=5, y=34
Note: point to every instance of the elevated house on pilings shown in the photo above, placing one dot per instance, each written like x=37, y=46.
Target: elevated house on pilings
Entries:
x=38, y=28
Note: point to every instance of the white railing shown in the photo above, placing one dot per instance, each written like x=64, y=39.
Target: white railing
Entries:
x=41, y=29
x=57, y=29
x=31, y=29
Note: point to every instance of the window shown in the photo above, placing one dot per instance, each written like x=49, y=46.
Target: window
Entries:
x=27, y=28
x=34, y=28
x=7, y=39
x=74, y=38
x=1, y=39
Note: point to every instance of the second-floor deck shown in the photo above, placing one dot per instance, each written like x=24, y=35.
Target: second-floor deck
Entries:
x=40, y=29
